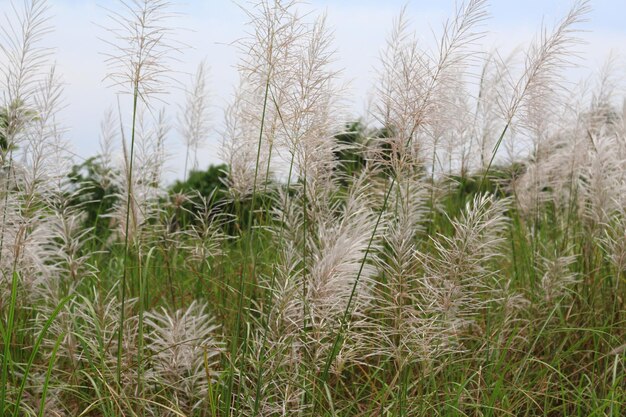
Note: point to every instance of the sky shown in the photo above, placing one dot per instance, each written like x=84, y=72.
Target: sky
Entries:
x=360, y=28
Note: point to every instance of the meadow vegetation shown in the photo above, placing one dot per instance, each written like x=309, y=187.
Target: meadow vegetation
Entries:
x=460, y=251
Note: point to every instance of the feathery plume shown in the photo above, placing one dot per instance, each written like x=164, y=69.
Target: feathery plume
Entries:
x=142, y=194
x=23, y=64
x=184, y=351
x=460, y=274
x=141, y=47
x=194, y=118
x=557, y=280
x=541, y=77
x=240, y=149
x=411, y=78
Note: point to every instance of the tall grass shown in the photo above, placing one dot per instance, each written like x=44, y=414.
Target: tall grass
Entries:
x=468, y=258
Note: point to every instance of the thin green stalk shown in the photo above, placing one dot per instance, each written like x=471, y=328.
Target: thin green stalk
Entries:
x=614, y=387
x=168, y=273
x=259, y=378
x=143, y=296
x=46, y=383
x=129, y=195
x=6, y=200
x=6, y=339
x=573, y=195
x=432, y=181
x=186, y=161
x=493, y=155
x=250, y=237
x=210, y=393
x=304, y=264
x=305, y=287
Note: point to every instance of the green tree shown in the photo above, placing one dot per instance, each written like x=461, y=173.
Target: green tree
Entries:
x=204, y=182
x=93, y=193
x=199, y=185
x=351, y=141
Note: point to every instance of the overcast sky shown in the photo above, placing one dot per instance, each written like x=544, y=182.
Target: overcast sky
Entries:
x=360, y=29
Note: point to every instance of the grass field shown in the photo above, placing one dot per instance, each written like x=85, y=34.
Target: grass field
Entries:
x=463, y=254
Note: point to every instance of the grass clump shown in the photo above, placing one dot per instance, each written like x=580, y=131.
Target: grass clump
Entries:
x=464, y=254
